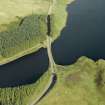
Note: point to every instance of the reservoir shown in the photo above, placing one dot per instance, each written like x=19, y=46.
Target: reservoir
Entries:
x=83, y=35
x=25, y=70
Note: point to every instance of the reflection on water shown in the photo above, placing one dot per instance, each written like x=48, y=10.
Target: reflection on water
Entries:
x=84, y=33
x=24, y=70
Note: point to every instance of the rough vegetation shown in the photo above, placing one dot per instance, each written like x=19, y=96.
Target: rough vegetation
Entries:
x=82, y=83
x=57, y=22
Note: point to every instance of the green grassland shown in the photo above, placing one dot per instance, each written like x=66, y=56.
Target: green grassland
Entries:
x=59, y=17
x=82, y=83
x=11, y=10
x=23, y=26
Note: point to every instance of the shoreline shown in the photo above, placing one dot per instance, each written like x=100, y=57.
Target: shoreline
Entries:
x=20, y=54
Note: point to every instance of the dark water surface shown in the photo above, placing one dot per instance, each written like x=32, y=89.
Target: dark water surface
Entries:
x=25, y=70
x=83, y=35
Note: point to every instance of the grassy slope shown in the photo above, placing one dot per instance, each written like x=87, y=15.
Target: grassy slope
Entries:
x=82, y=83
x=15, y=9
x=57, y=22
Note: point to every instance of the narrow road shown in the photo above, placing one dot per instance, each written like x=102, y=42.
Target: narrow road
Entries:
x=53, y=78
x=52, y=65
x=51, y=60
x=49, y=37
x=47, y=89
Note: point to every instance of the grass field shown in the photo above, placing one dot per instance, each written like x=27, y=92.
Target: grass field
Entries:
x=82, y=83
x=17, y=9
